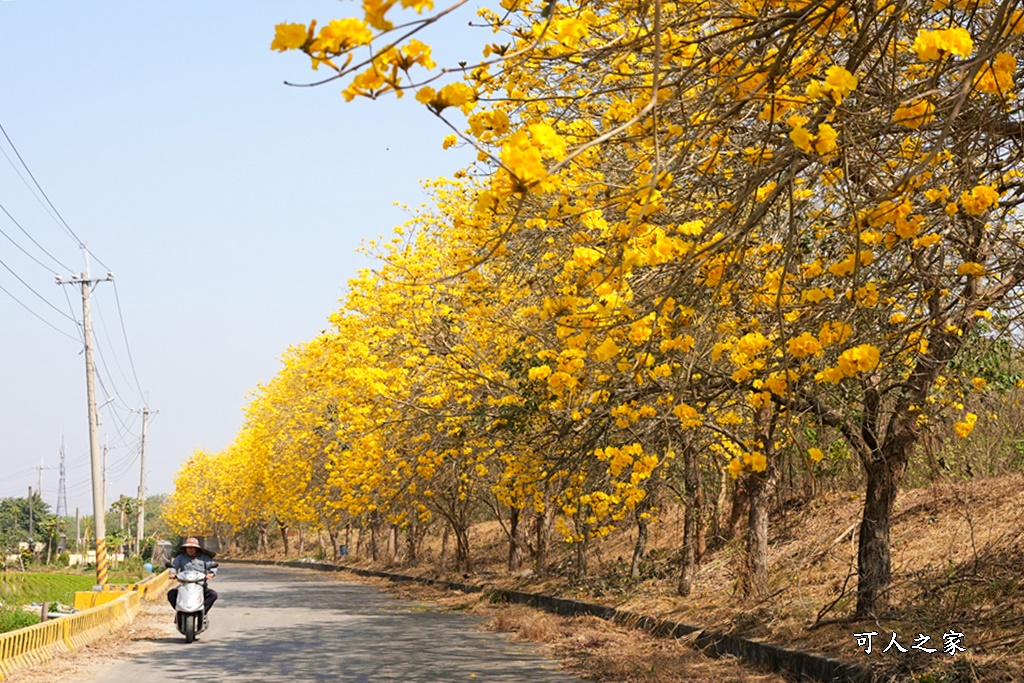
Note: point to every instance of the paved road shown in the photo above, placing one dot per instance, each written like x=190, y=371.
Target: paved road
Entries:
x=274, y=624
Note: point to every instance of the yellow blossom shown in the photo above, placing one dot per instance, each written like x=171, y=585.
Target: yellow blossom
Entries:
x=914, y=115
x=979, y=199
x=687, y=415
x=804, y=345
x=932, y=45
x=540, y=372
x=858, y=359
x=289, y=37
x=996, y=77
x=970, y=268
x=606, y=350
x=966, y=426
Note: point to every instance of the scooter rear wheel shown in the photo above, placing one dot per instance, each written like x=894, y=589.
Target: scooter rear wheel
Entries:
x=190, y=627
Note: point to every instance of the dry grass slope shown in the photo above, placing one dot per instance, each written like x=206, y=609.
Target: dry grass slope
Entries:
x=958, y=565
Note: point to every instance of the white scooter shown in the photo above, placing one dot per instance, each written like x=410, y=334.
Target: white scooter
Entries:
x=190, y=611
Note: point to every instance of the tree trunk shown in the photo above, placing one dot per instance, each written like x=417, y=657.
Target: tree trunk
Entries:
x=332, y=534
x=639, y=513
x=542, y=536
x=302, y=542
x=393, y=545
x=759, y=489
x=284, y=536
x=410, y=546
x=262, y=543
x=515, y=540
x=717, y=507
x=737, y=510
x=462, y=563
x=691, y=523
x=873, y=561
x=580, y=568
x=444, y=545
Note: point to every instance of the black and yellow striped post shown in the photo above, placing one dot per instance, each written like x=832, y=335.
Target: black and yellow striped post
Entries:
x=99, y=507
x=101, y=562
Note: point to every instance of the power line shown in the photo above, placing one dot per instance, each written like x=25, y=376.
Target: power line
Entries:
x=124, y=332
x=31, y=191
x=21, y=248
x=41, y=297
x=124, y=430
x=78, y=325
x=44, y=320
x=117, y=362
x=31, y=175
x=103, y=360
x=82, y=245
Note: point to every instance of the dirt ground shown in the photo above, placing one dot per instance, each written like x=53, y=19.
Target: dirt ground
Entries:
x=128, y=641
x=957, y=566
x=588, y=646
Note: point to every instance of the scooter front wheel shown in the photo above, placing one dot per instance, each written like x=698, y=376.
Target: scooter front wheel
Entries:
x=190, y=627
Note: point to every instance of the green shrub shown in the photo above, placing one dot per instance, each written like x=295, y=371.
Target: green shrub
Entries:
x=12, y=619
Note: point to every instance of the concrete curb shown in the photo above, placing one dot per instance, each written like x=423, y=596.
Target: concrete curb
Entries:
x=33, y=645
x=802, y=664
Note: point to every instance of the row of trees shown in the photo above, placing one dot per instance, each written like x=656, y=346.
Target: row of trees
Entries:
x=699, y=239
x=59, y=535
x=22, y=518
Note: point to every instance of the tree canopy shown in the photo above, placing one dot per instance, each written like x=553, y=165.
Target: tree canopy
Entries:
x=697, y=236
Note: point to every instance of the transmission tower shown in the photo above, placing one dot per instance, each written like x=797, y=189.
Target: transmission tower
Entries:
x=62, y=491
x=62, y=499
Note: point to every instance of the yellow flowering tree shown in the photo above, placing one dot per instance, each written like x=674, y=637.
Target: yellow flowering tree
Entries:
x=688, y=224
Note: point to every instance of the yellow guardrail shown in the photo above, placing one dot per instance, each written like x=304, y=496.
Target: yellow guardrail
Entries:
x=110, y=609
x=151, y=585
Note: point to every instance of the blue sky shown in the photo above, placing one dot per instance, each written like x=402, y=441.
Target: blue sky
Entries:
x=228, y=205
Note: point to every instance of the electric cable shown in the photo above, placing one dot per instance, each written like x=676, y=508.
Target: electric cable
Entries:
x=44, y=320
x=41, y=297
x=31, y=175
x=117, y=363
x=127, y=346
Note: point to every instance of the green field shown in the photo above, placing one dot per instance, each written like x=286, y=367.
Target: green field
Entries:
x=17, y=589
x=22, y=589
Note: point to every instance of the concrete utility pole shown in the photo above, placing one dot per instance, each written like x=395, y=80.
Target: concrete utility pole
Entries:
x=141, y=525
x=31, y=525
x=41, y=467
x=98, y=505
x=103, y=476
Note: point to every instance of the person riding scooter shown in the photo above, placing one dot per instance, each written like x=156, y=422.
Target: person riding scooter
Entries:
x=192, y=557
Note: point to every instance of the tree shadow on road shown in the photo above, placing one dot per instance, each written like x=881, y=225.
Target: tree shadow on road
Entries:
x=348, y=633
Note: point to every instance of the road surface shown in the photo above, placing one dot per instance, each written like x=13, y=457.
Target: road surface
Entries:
x=274, y=624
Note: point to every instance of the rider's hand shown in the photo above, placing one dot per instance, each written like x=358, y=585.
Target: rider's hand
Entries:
x=210, y=575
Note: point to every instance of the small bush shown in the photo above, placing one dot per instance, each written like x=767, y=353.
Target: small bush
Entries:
x=12, y=619
x=132, y=564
